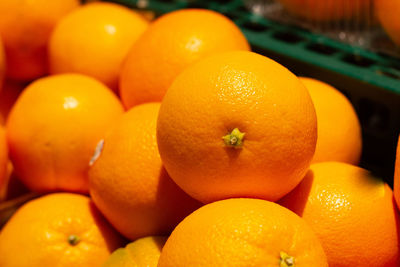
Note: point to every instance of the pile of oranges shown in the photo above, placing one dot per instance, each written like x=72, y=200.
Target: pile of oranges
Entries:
x=167, y=142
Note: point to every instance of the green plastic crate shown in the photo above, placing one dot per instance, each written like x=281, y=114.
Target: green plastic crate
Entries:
x=371, y=81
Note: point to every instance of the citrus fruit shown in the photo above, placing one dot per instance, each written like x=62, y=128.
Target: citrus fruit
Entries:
x=143, y=252
x=386, y=11
x=128, y=182
x=2, y=64
x=242, y=232
x=237, y=124
x=8, y=96
x=94, y=40
x=339, y=130
x=25, y=27
x=396, y=186
x=54, y=127
x=60, y=229
x=3, y=157
x=170, y=44
x=352, y=213
x=328, y=10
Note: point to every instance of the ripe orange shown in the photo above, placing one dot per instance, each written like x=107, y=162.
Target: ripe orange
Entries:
x=3, y=157
x=128, y=182
x=328, y=10
x=396, y=186
x=212, y=104
x=54, y=127
x=8, y=96
x=387, y=12
x=25, y=26
x=352, y=213
x=94, y=40
x=170, y=44
x=339, y=130
x=143, y=252
x=57, y=230
x=242, y=232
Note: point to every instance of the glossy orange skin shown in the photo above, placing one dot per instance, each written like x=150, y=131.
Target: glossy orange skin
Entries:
x=129, y=183
x=37, y=234
x=94, y=40
x=54, y=127
x=25, y=27
x=352, y=213
x=241, y=232
x=170, y=44
x=241, y=90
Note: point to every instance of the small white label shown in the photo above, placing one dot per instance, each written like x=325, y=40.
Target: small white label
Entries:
x=97, y=152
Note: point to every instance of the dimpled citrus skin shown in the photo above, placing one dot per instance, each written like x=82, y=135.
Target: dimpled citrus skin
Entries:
x=128, y=182
x=339, y=130
x=37, y=234
x=241, y=232
x=25, y=27
x=352, y=213
x=169, y=45
x=94, y=40
x=396, y=186
x=3, y=157
x=54, y=127
x=143, y=252
x=240, y=90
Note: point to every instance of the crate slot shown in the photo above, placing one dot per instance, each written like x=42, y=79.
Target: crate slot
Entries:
x=322, y=49
x=288, y=37
x=255, y=26
x=197, y=4
x=373, y=116
x=358, y=60
x=230, y=15
x=390, y=74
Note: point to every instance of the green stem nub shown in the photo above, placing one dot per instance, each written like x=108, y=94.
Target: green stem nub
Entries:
x=73, y=240
x=234, y=139
x=286, y=260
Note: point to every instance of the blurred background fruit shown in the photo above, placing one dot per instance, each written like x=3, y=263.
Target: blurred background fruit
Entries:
x=352, y=213
x=143, y=252
x=94, y=40
x=387, y=12
x=211, y=105
x=64, y=229
x=54, y=127
x=339, y=130
x=25, y=27
x=128, y=182
x=170, y=44
x=242, y=232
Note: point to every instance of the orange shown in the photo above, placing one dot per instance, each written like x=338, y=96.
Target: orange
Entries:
x=3, y=157
x=352, y=213
x=242, y=232
x=328, y=10
x=54, y=127
x=387, y=12
x=170, y=44
x=143, y=252
x=94, y=40
x=8, y=96
x=396, y=186
x=237, y=124
x=59, y=229
x=2, y=64
x=25, y=26
x=339, y=130
x=128, y=182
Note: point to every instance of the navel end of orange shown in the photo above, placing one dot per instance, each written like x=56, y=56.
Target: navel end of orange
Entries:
x=234, y=139
x=73, y=240
x=286, y=260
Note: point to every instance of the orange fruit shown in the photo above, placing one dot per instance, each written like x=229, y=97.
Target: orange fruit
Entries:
x=143, y=252
x=396, y=186
x=242, y=232
x=54, y=127
x=237, y=124
x=387, y=12
x=339, y=130
x=8, y=96
x=2, y=64
x=128, y=182
x=94, y=40
x=59, y=229
x=3, y=157
x=25, y=26
x=352, y=213
x=169, y=45
x=328, y=10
